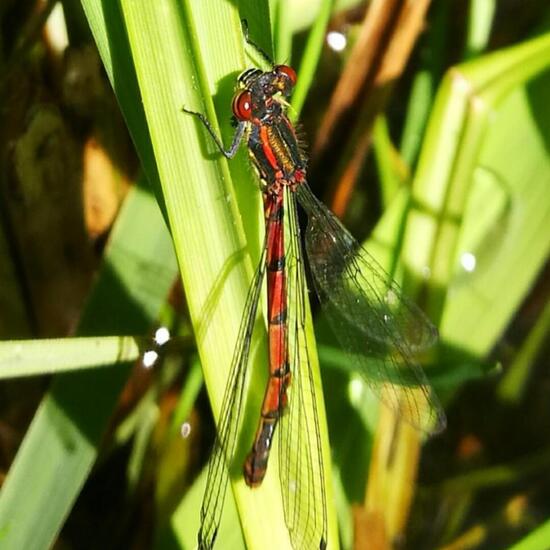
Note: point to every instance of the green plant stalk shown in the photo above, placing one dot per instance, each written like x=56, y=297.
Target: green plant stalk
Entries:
x=193, y=384
x=142, y=436
x=184, y=522
x=203, y=226
x=281, y=17
x=480, y=21
x=390, y=174
x=419, y=104
x=432, y=49
x=310, y=58
x=512, y=385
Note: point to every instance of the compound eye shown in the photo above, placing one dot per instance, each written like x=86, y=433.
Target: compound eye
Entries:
x=242, y=105
x=288, y=71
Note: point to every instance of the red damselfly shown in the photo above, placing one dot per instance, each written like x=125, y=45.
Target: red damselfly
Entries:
x=378, y=327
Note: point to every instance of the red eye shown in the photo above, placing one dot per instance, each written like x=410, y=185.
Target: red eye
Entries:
x=242, y=105
x=289, y=71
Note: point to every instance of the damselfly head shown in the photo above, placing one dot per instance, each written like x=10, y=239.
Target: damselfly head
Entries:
x=254, y=100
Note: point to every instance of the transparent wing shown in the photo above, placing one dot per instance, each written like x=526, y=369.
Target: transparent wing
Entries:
x=230, y=415
x=377, y=326
x=300, y=458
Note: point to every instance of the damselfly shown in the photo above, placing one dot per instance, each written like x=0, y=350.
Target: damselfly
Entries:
x=378, y=327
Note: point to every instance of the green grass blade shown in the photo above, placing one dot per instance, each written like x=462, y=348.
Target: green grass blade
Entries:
x=193, y=384
x=535, y=540
x=513, y=385
x=433, y=47
x=310, y=58
x=50, y=356
x=392, y=173
x=200, y=200
x=480, y=21
x=184, y=523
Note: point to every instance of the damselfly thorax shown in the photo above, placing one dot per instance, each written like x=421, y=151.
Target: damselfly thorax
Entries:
x=272, y=143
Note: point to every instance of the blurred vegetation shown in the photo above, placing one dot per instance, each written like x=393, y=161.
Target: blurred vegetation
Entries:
x=430, y=137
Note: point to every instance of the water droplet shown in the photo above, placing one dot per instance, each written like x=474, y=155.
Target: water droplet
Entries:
x=150, y=358
x=185, y=430
x=391, y=297
x=468, y=262
x=336, y=41
x=162, y=335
